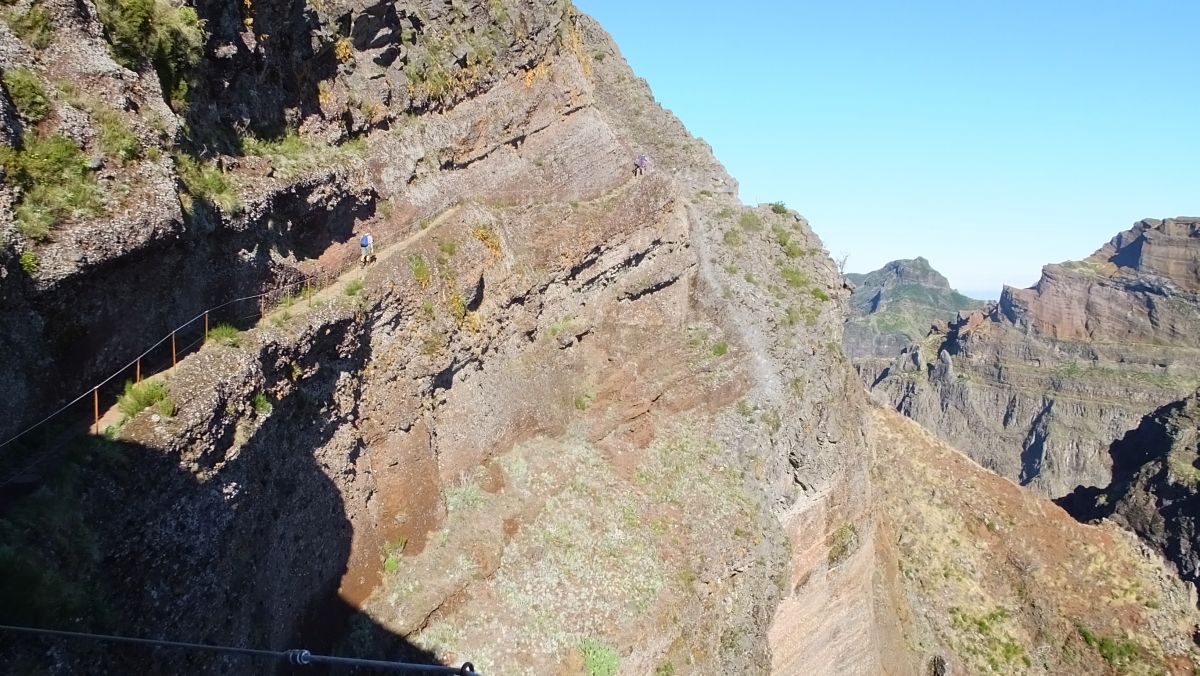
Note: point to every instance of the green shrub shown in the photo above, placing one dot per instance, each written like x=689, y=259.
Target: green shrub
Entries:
x=116, y=139
x=262, y=405
x=207, y=181
x=793, y=250
x=26, y=94
x=55, y=182
x=391, y=564
x=779, y=208
x=720, y=349
x=448, y=247
x=750, y=222
x=733, y=238
x=599, y=659
x=137, y=398
x=584, y=400
x=1116, y=652
x=420, y=270
x=29, y=262
x=353, y=287
x=33, y=27
x=820, y=294
x=226, y=334
x=842, y=543
x=168, y=36
x=794, y=277
x=292, y=154
x=783, y=237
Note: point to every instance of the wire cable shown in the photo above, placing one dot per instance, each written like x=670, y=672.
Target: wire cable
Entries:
x=294, y=656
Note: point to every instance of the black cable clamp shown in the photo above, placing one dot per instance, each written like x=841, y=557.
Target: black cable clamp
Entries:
x=466, y=668
x=299, y=657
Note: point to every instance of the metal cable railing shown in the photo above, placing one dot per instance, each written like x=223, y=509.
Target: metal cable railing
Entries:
x=299, y=657
x=158, y=359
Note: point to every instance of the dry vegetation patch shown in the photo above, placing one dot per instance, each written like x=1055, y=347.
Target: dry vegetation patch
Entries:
x=1005, y=582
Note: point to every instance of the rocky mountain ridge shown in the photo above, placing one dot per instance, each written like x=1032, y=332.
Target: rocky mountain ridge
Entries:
x=894, y=307
x=570, y=420
x=498, y=417
x=1037, y=386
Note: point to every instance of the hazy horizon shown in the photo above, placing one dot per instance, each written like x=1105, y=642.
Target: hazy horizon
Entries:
x=992, y=139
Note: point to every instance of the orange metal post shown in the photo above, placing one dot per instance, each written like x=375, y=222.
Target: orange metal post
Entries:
x=206, y=326
x=172, y=349
x=139, y=369
x=96, y=407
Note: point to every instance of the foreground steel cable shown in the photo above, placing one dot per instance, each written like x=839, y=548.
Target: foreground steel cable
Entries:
x=295, y=656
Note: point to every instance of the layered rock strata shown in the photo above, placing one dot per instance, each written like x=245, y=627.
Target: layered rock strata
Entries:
x=1037, y=386
x=561, y=422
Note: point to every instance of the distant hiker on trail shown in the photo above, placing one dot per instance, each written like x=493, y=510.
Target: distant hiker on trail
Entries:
x=640, y=164
x=367, y=244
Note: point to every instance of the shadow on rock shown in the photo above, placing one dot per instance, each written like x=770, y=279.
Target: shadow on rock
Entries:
x=245, y=550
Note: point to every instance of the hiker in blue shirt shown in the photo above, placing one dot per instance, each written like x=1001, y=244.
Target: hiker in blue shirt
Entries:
x=366, y=244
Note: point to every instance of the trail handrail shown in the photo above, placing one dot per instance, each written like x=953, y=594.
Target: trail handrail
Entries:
x=295, y=656
x=307, y=279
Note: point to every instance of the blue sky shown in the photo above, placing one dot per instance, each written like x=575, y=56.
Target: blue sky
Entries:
x=990, y=137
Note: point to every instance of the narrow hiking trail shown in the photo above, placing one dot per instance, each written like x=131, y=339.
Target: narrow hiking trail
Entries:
x=113, y=418
x=284, y=312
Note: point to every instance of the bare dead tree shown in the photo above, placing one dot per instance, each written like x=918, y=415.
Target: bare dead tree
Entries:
x=841, y=260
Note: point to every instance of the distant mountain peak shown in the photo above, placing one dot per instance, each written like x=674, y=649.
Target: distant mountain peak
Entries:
x=897, y=304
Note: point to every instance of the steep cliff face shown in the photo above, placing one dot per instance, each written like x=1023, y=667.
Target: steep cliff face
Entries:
x=194, y=178
x=1154, y=486
x=1039, y=385
x=988, y=577
x=894, y=306
x=565, y=420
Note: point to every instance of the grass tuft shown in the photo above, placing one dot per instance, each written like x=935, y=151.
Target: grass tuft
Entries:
x=420, y=270
x=27, y=94
x=842, y=543
x=225, y=334
x=33, y=27
x=29, y=262
x=137, y=398
x=55, y=183
x=599, y=659
x=262, y=405
x=489, y=238
x=208, y=182
x=168, y=36
x=353, y=287
x=750, y=222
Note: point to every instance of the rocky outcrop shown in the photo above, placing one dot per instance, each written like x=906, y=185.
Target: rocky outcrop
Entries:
x=1154, y=490
x=562, y=420
x=894, y=306
x=1139, y=288
x=1039, y=385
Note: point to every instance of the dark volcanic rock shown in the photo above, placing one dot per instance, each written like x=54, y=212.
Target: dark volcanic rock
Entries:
x=1155, y=490
x=1044, y=381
